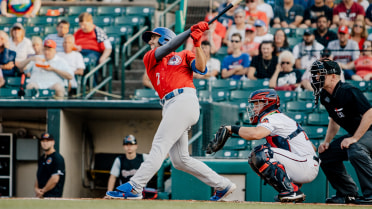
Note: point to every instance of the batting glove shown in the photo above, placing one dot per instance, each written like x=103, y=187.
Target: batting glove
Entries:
x=196, y=37
x=203, y=26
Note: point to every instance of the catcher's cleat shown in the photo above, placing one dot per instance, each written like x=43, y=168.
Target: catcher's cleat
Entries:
x=341, y=200
x=291, y=197
x=122, y=195
x=221, y=195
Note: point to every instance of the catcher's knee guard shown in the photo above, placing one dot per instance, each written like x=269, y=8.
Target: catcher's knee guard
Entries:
x=272, y=173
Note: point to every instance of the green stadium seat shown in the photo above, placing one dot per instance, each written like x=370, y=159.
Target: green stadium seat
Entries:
x=115, y=40
x=255, y=143
x=11, y=82
x=201, y=84
x=34, y=31
x=235, y=143
x=50, y=30
x=315, y=132
x=321, y=108
x=318, y=119
x=5, y=28
x=147, y=12
x=244, y=154
x=219, y=95
x=123, y=30
x=9, y=21
x=293, y=41
x=146, y=94
x=45, y=94
x=227, y=154
x=286, y=96
x=110, y=10
x=254, y=84
x=290, y=32
x=299, y=106
x=305, y=96
x=362, y=85
x=44, y=10
x=40, y=21
x=341, y=132
x=103, y=21
x=299, y=117
x=135, y=21
x=73, y=20
x=368, y=96
x=241, y=103
x=223, y=84
x=77, y=10
x=204, y=95
x=9, y=93
x=240, y=95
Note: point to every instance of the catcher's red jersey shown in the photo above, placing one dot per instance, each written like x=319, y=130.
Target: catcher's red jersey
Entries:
x=172, y=72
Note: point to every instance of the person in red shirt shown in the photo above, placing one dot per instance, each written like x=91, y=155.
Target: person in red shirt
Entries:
x=91, y=41
x=171, y=74
x=346, y=12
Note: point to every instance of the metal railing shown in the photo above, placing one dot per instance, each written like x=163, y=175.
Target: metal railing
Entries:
x=90, y=77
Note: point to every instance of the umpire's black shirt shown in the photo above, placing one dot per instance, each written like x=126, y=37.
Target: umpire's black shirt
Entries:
x=49, y=165
x=346, y=106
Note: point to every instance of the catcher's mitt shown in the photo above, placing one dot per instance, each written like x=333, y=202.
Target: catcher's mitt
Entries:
x=222, y=135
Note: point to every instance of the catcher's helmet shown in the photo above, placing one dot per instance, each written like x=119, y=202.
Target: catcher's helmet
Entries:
x=319, y=69
x=270, y=101
x=164, y=33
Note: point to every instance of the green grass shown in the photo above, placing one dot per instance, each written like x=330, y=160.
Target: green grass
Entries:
x=154, y=204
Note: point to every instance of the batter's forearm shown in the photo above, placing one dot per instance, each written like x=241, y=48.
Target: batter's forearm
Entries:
x=172, y=45
x=200, y=59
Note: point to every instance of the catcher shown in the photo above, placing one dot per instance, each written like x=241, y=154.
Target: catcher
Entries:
x=288, y=159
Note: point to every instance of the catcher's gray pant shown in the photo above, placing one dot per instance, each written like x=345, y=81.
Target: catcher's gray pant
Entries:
x=179, y=114
x=360, y=156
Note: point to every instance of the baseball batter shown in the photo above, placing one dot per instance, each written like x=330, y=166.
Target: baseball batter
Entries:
x=288, y=159
x=171, y=74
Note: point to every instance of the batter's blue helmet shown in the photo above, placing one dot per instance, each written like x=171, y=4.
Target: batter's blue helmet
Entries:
x=164, y=33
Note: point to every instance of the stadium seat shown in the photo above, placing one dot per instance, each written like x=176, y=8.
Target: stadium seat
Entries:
x=77, y=10
x=254, y=84
x=255, y=143
x=73, y=20
x=241, y=103
x=219, y=95
x=243, y=154
x=341, y=132
x=315, y=132
x=235, y=143
x=223, y=84
x=240, y=95
x=204, y=95
x=123, y=30
x=299, y=106
x=147, y=12
x=11, y=82
x=44, y=10
x=227, y=154
x=110, y=10
x=286, y=96
x=135, y=21
x=362, y=85
x=293, y=41
x=34, y=31
x=103, y=21
x=9, y=21
x=45, y=94
x=368, y=96
x=318, y=119
x=50, y=30
x=290, y=32
x=305, y=96
x=200, y=84
x=5, y=28
x=9, y=93
x=299, y=117
x=40, y=21
x=146, y=94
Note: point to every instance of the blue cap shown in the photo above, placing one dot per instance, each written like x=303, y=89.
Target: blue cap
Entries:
x=259, y=23
x=130, y=139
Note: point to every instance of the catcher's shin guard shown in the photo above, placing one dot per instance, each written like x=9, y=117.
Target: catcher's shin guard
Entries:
x=272, y=173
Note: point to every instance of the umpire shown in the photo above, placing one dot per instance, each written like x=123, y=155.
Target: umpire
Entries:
x=348, y=108
x=51, y=170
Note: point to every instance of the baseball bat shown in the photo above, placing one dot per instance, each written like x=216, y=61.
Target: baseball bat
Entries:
x=231, y=5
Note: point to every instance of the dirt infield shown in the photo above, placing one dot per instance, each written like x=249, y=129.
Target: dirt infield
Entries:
x=93, y=203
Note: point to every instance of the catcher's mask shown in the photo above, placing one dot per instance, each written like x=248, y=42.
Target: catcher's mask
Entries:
x=319, y=69
x=261, y=102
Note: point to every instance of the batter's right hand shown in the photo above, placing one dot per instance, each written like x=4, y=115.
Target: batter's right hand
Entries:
x=203, y=26
x=323, y=147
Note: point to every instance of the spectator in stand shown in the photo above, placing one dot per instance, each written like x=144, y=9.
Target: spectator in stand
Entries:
x=285, y=78
x=346, y=12
x=75, y=61
x=330, y=3
x=344, y=50
x=368, y=18
x=238, y=27
x=264, y=7
x=363, y=65
x=363, y=3
x=290, y=15
x=63, y=27
x=235, y=66
x=311, y=14
x=261, y=32
x=91, y=41
x=281, y=42
x=249, y=46
x=49, y=71
x=252, y=13
x=25, y=8
x=227, y=19
x=263, y=65
x=307, y=51
x=213, y=65
x=219, y=28
x=210, y=35
x=359, y=32
x=322, y=34
x=7, y=57
x=19, y=43
x=37, y=45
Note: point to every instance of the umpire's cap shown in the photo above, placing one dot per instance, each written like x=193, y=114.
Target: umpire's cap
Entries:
x=164, y=33
x=46, y=136
x=130, y=139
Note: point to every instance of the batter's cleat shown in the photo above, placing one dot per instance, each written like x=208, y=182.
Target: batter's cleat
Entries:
x=291, y=197
x=122, y=195
x=221, y=195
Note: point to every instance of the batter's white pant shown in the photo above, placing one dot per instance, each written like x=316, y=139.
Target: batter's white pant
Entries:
x=179, y=114
x=300, y=169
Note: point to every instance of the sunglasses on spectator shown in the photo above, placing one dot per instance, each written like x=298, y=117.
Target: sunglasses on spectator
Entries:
x=235, y=41
x=285, y=63
x=359, y=26
x=366, y=46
